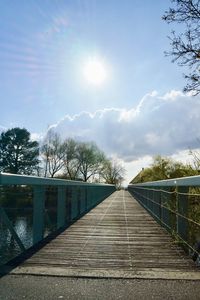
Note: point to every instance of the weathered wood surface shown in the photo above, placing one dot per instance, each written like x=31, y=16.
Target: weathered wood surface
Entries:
x=118, y=238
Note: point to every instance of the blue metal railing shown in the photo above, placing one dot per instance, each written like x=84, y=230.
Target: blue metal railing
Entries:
x=175, y=205
x=32, y=207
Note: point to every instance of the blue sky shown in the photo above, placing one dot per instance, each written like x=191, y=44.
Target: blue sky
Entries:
x=43, y=46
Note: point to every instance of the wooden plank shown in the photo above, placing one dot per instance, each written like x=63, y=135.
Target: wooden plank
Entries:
x=117, y=235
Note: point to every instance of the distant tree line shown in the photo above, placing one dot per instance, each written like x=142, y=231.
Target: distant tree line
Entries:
x=167, y=168
x=68, y=159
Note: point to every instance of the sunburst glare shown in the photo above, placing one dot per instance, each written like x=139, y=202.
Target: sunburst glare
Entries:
x=95, y=71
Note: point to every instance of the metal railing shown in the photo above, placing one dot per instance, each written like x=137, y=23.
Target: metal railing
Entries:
x=175, y=205
x=32, y=207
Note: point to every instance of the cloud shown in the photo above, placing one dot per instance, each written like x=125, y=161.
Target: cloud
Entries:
x=37, y=136
x=158, y=124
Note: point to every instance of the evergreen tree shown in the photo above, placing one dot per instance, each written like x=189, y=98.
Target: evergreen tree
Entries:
x=18, y=154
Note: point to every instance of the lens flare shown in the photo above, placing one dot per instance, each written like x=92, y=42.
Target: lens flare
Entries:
x=94, y=71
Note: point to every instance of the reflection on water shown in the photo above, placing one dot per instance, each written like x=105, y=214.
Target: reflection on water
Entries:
x=24, y=230
x=17, y=202
x=22, y=221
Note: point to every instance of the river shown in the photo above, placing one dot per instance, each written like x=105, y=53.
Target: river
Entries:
x=22, y=221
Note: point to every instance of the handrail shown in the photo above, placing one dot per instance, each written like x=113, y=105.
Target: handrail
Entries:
x=69, y=201
x=182, y=181
x=175, y=205
x=9, y=179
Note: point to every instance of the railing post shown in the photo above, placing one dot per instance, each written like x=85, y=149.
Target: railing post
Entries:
x=151, y=196
x=38, y=213
x=68, y=205
x=92, y=196
x=82, y=200
x=74, y=203
x=165, y=213
x=157, y=207
x=182, y=208
x=85, y=198
x=88, y=198
x=61, y=207
x=143, y=195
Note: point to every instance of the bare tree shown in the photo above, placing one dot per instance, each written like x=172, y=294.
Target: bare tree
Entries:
x=113, y=173
x=52, y=152
x=196, y=158
x=90, y=159
x=71, y=163
x=185, y=46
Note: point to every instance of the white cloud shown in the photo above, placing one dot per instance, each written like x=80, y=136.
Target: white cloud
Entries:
x=183, y=156
x=172, y=95
x=159, y=124
x=37, y=136
x=155, y=125
x=135, y=166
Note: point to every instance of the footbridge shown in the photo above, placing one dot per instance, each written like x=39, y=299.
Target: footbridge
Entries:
x=54, y=227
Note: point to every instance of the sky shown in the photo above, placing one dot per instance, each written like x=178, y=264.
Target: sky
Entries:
x=138, y=110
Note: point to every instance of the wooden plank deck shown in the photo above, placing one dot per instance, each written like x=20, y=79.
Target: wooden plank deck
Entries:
x=119, y=239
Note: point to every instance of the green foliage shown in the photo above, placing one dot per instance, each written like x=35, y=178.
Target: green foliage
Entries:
x=18, y=154
x=164, y=168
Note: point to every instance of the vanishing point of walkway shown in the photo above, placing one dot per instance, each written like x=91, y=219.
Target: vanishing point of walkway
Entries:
x=117, y=239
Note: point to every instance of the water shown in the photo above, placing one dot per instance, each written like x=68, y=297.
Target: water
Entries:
x=17, y=202
x=22, y=221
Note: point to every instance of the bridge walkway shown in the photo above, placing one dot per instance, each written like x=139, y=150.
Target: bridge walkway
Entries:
x=116, y=239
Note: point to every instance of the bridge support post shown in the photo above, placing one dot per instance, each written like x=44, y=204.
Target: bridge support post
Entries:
x=85, y=197
x=88, y=198
x=38, y=213
x=152, y=199
x=82, y=200
x=61, y=208
x=157, y=207
x=182, y=207
x=166, y=216
x=74, y=203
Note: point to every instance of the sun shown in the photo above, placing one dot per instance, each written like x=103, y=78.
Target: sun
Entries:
x=95, y=71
